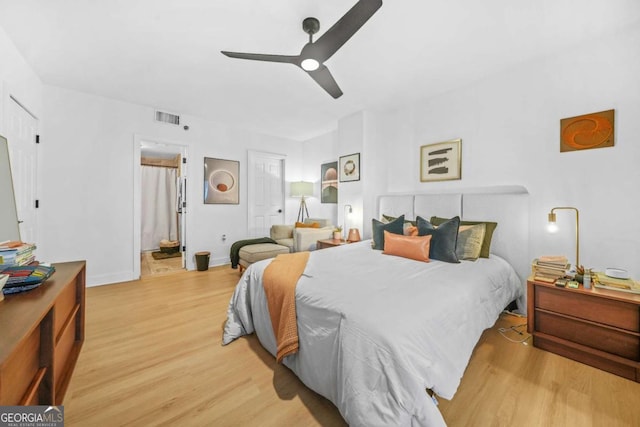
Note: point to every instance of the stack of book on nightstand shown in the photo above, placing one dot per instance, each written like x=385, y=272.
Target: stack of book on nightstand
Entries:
x=601, y=280
x=548, y=269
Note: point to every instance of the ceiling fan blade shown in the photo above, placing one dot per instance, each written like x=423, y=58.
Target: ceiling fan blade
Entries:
x=290, y=59
x=346, y=27
x=324, y=78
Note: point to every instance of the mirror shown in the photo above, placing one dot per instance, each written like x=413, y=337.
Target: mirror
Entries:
x=9, y=226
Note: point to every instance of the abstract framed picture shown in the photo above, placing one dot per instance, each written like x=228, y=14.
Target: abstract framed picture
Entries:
x=221, y=181
x=329, y=183
x=594, y=130
x=441, y=161
x=349, y=167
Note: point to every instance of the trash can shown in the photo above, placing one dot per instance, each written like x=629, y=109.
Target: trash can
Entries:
x=202, y=260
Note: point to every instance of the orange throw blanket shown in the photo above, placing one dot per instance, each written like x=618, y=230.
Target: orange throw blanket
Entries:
x=279, y=280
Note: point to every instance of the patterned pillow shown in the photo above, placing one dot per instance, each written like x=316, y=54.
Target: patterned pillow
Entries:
x=379, y=227
x=470, y=238
x=445, y=238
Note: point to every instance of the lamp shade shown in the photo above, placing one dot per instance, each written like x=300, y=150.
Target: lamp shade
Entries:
x=301, y=189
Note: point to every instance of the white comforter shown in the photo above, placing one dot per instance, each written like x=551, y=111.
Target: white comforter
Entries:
x=377, y=330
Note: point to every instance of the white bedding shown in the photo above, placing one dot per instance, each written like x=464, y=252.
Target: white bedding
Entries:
x=377, y=330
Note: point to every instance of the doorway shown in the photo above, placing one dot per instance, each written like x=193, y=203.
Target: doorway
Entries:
x=265, y=193
x=160, y=223
x=21, y=127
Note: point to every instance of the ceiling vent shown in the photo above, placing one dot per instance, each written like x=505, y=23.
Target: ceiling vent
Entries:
x=172, y=119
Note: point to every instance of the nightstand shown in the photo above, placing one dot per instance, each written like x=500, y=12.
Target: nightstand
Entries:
x=597, y=327
x=330, y=243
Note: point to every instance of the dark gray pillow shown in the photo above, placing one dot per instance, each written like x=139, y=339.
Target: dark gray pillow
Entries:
x=443, y=239
x=378, y=228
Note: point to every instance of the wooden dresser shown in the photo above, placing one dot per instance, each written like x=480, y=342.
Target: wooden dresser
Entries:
x=41, y=333
x=597, y=327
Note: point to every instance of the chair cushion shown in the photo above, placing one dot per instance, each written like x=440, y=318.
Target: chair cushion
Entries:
x=254, y=253
x=281, y=232
x=286, y=242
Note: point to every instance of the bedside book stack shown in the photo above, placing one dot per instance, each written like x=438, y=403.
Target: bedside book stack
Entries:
x=550, y=268
x=601, y=280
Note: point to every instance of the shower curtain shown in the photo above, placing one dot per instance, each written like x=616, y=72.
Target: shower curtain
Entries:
x=159, y=217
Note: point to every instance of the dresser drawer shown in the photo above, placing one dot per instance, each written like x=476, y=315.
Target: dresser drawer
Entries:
x=63, y=307
x=612, y=341
x=597, y=309
x=63, y=349
x=20, y=370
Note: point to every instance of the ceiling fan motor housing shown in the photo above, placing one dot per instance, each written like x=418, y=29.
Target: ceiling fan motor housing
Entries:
x=311, y=26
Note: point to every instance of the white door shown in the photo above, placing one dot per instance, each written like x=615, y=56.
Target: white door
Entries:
x=21, y=135
x=265, y=192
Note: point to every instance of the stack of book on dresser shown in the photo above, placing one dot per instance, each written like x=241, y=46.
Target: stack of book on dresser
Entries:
x=550, y=268
x=16, y=253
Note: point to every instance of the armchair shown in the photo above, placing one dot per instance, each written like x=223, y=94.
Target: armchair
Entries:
x=302, y=239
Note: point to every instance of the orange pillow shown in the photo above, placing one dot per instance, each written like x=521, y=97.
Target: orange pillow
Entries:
x=305, y=225
x=412, y=247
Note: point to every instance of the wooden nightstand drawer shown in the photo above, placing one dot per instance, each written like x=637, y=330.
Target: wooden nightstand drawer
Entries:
x=594, y=326
x=602, y=310
x=611, y=340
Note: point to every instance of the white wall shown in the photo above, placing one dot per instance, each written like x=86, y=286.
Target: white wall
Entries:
x=87, y=207
x=317, y=151
x=509, y=125
x=351, y=134
x=17, y=79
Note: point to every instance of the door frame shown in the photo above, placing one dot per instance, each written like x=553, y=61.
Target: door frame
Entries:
x=251, y=157
x=9, y=102
x=177, y=148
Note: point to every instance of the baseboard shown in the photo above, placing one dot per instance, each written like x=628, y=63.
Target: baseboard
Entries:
x=109, y=279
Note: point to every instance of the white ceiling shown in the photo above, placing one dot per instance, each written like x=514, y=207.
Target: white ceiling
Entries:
x=166, y=53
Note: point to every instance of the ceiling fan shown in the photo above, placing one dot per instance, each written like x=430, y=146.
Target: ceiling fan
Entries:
x=313, y=55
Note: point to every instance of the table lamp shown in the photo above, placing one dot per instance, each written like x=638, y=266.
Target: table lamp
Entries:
x=552, y=227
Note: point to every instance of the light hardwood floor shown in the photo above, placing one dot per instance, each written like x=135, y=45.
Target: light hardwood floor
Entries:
x=153, y=356
x=150, y=266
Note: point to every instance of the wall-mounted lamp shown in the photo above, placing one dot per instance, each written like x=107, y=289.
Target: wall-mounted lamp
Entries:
x=302, y=189
x=552, y=227
x=347, y=210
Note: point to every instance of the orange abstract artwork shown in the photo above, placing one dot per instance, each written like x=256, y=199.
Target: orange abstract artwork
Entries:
x=593, y=130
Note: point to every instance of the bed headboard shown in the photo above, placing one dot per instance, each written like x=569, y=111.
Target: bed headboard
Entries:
x=506, y=205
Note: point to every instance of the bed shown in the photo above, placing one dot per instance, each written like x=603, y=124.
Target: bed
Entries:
x=377, y=331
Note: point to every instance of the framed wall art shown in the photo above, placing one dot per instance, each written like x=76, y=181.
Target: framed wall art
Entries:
x=594, y=130
x=329, y=183
x=349, y=167
x=221, y=181
x=441, y=161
